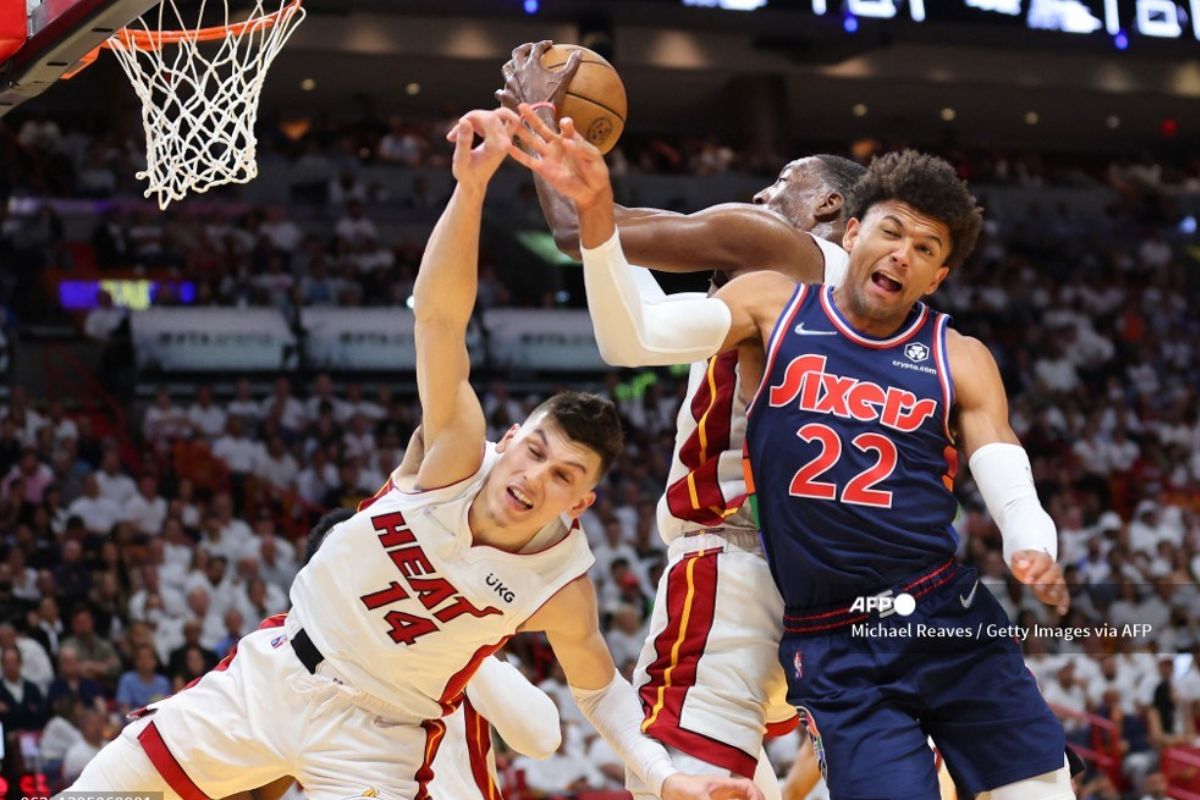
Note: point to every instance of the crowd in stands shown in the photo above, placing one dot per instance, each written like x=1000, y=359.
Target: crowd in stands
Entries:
x=130, y=565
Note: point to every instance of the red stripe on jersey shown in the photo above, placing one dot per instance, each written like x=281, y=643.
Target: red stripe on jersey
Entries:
x=435, y=730
x=709, y=750
x=691, y=606
x=453, y=693
x=664, y=643
x=781, y=728
x=697, y=496
x=167, y=765
x=479, y=743
x=365, y=504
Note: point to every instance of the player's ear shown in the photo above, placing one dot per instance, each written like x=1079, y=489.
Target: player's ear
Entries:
x=508, y=436
x=830, y=208
x=938, y=277
x=582, y=505
x=851, y=234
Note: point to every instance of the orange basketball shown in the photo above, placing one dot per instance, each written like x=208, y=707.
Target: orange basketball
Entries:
x=595, y=98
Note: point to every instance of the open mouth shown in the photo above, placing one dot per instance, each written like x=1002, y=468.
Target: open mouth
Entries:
x=519, y=498
x=886, y=283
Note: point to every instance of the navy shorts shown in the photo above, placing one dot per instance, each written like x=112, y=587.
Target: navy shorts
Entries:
x=871, y=699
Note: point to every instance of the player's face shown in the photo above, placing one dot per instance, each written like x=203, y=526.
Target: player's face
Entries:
x=796, y=193
x=897, y=256
x=541, y=474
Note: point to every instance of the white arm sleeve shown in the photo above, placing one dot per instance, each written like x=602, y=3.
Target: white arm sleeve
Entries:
x=1005, y=479
x=636, y=324
x=616, y=713
x=524, y=716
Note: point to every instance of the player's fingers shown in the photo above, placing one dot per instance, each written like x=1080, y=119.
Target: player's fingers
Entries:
x=463, y=134
x=540, y=49
x=731, y=788
x=531, y=140
x=509, y=118
x=572, y=65
x=535, y=124
x=523, y=158
x=521, y=51
x=506, y=98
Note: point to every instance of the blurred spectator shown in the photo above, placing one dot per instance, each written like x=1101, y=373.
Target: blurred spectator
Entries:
x=98, y=658
x=103, y=320
x=142, y=685
x=91, y=729
x=22, y=705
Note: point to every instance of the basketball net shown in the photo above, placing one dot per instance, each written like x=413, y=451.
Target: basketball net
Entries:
x=199, y=89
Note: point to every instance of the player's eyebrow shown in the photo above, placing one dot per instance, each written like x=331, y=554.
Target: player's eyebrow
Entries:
x=897, y=221
x=546, y=444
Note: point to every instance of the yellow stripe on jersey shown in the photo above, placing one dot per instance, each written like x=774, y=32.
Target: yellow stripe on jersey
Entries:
x=683, y=628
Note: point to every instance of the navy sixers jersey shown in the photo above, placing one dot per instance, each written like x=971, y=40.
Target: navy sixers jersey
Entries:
x=850, y=452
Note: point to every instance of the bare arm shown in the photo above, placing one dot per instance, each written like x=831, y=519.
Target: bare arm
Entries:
x=571, y=624
x=452, y=421
x=635, y=327
x=729, y=237
x=1002, y=471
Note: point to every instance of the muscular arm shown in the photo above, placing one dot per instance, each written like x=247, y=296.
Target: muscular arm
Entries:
x=571, y=623
x=1002, y=471
x=637, y=325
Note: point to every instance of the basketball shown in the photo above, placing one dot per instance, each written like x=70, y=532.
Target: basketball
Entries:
x=595, y=98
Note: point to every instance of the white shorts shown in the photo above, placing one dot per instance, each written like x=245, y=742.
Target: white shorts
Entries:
x=709, y=675
x=265, y=716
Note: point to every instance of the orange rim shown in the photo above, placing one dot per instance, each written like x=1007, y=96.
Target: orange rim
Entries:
x=146, y=40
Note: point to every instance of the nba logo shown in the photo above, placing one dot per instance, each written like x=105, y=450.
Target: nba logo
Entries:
x=798, y=664
x=278, y=640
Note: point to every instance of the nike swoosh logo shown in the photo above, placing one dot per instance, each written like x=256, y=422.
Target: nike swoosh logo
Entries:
x=800, y=329
x=966, y=601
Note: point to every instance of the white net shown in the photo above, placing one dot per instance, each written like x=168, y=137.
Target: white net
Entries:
x=199, y=89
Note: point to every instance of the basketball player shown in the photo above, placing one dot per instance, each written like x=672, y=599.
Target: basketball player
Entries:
x=863, y=396
x=465, y=765
x=402, y=603
x=710, y=689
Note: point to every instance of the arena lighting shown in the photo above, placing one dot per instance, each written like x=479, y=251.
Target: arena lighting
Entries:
x=1113, y=122
x=531, y=6
x=1187, y=225
x=1121, y=41
x=850, y=23
x=307, y=85
x=859, y=110
x=948, y=114
x=1168, y=127
x=1031, y=118
x=412, y=88
x=727, y=5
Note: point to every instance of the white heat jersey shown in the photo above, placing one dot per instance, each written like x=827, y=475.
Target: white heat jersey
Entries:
x=706, y=487
x=404, y=607
x=465, y=765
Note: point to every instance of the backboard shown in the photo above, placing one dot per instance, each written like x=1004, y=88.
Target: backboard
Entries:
x=43, y=40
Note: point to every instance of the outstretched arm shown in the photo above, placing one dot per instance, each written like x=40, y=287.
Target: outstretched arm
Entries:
x=636, y=324
x=728, y=237
x=443, y=299
x=1002, y=471
x=572, y=626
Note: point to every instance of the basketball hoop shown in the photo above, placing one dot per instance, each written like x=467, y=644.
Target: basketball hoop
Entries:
x=199, y=104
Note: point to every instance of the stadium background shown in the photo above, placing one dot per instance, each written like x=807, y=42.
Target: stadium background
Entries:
x=163, y=455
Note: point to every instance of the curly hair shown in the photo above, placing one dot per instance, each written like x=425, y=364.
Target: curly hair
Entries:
x=928, y=184
x=588, y=419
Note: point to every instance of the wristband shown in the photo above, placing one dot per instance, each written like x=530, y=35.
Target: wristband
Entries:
x=544, y=104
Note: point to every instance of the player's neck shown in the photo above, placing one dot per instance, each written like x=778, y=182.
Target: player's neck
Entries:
x=485, y=531
x=879, y=328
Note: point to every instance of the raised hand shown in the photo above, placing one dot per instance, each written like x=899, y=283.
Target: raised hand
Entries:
x=566, y=161
x=707, y=787
x=475, y=166
x=526, y=80
x=1036, y=569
